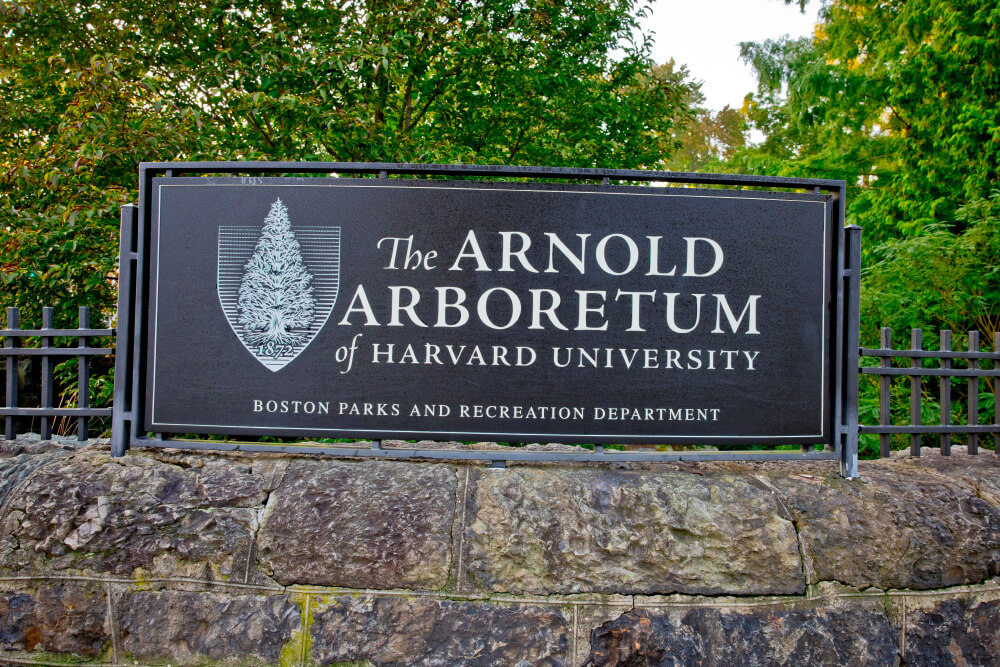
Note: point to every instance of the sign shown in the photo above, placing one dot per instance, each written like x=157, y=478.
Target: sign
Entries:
x=458, y=310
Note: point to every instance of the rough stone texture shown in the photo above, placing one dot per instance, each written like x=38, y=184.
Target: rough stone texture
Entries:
x=363, y=525
x=597, y=610
x=187, y=627
x=15, y=618
x=58, y=619
x=903, y=525
x=861, y=636
x=955, y=632
x=22, y=456
x=154, y=558
x=567, y=530
x=981, y=471
x=394, y=631
x=87, y=511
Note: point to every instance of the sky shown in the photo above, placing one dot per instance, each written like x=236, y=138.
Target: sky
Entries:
x=705, y=35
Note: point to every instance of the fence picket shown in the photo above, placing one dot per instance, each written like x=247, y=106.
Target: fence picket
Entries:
x=83, y=377
x=915, y=389
x=46, y=397
x=945, y=393
x=10, y=424
x=973, y=393
x=885, y=388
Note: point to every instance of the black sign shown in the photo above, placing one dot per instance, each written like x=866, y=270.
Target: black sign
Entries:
x=515, y=312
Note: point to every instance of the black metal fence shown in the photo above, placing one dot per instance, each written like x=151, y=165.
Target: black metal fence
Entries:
x=48, y=350
x=909, y=364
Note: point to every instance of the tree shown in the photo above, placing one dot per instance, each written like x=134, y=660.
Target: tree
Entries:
x=709, y=140
x=275, y=293
x=899, y=98
x=941, y=278
x=705, y=138
x=89, y=88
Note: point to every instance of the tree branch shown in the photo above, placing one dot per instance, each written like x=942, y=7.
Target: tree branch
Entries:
x=438, y=89
x=898, y=117
x=518, y=143
x=404, y=117
x=262, y=130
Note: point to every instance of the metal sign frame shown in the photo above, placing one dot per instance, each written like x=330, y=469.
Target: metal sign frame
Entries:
x=134, y=290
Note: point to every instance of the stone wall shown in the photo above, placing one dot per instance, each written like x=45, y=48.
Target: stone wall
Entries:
x=167, y=557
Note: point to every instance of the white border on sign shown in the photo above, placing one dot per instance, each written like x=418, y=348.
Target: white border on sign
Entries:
x=269, y=429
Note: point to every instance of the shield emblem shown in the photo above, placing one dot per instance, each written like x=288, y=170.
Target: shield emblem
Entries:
x=277, y=285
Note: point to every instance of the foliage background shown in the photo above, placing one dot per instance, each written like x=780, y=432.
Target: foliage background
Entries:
x=897, y=97
x=90, y=88
x=901, y=100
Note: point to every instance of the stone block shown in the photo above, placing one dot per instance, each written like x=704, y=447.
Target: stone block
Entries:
x=373, y=524
x=394, y=631
x=954, y=633
x=900, y=526
x=858, y=636
x=186, y=627
x=550, y=530
x=92, y=513
x=22, y=456
x=58, y=619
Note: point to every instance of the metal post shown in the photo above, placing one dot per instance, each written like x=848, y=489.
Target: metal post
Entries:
x=996, y=394
x=852, y=324
x=47, y=323
x=974, y=393
x=839, y=317
x=945, y=392
x=139, y=323
x=885, y=389
x=915, y=413
x=10, y=421
x=121, y=416
x=83, y=378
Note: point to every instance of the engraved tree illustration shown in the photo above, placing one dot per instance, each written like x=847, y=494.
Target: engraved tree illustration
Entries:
x=275, y=293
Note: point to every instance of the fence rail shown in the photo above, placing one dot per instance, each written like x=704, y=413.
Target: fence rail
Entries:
x=972, y=357
x=11, y=351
